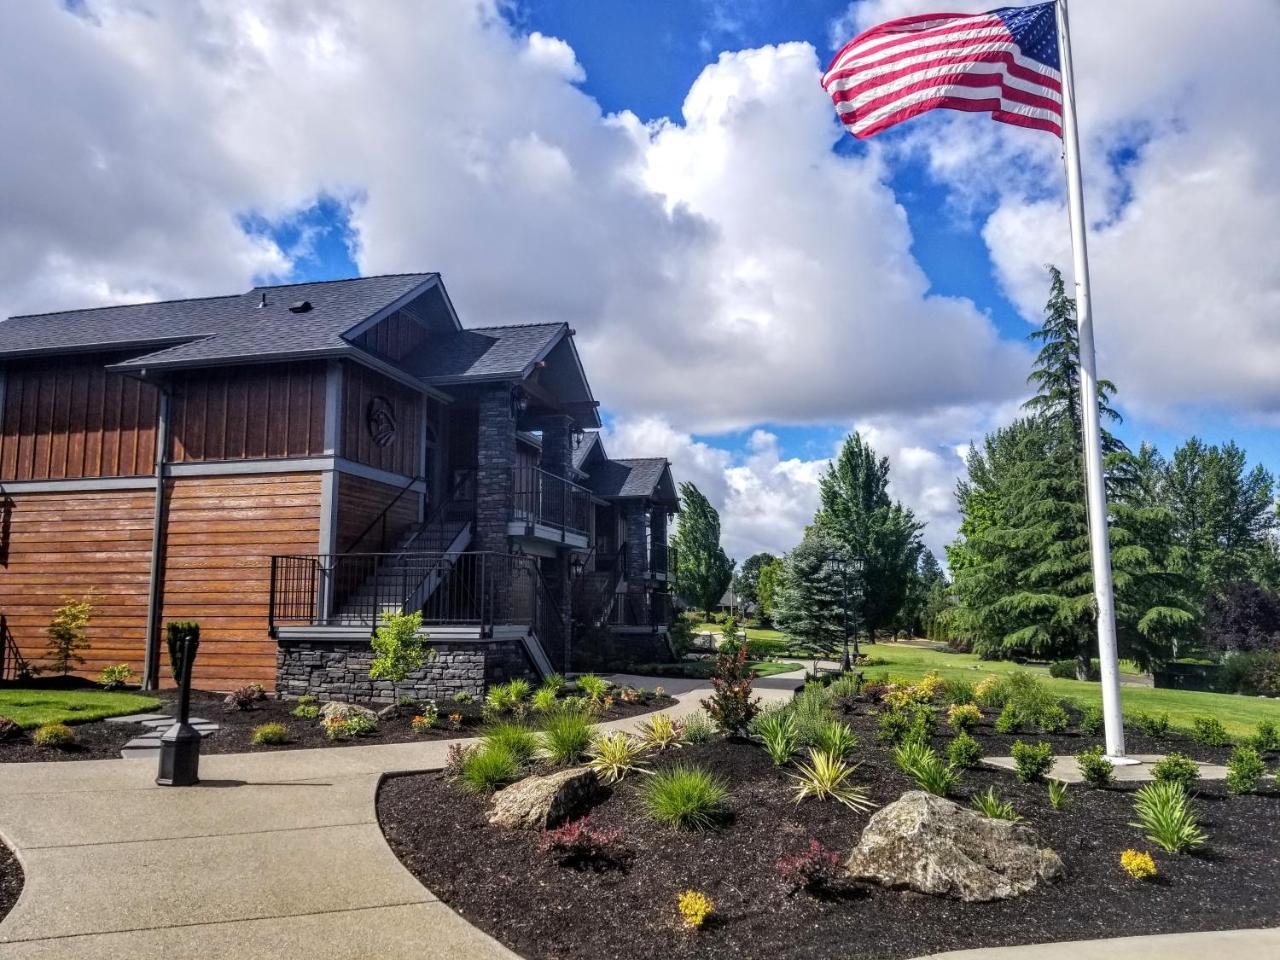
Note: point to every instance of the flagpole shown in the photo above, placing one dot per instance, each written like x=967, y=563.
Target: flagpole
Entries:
x=1095, y=484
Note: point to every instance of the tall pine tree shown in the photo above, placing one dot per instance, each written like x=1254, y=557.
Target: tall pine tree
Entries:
x=810, y=600
x=703, y=570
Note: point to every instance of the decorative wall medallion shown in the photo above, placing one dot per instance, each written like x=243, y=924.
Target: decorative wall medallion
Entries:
x=382, y=421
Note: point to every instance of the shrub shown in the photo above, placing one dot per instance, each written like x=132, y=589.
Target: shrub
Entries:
x=463, y=697
x=399, y=646
x=306, y=709
x=956, y=691
x=1266, y=739
x=1053, y=719
x=731, y=705
x=595, y=688
x=777, y=731
x=489, y=768
x=1033, y=763
x=660, y=732
x=514, y=737
x=812, y=711
x=115, y=678
x=67, y=635
x=1152, y=725
x=1096, y=769
x=963, y=717
x=544, y=700
x=684, y=797
x=243, y=698
x=423, y=722
x=1057, y=794
x=1066, y=670
x=56, y=736
x=507, y=697
x=1010, y=719
x=923, y=765
x=1176, y=768
x=825, y=777
x=578, y=842
x=9, y=729
x=360, y=724
x=1208, y=730
x=990, y=805
x=698, y=727
x=270, y=734
x=614, y=755
x=1166, y=817
x=552, y=681
x=1091, y=720
x=989, y=692
x=923, y=725
x=964, y=752
x=835, y=738
x=893, y=726
x=335, y=727
x=814, y=869
x=455, y=721
x=1138, y=864
x=1244, y=770
x=695, y=908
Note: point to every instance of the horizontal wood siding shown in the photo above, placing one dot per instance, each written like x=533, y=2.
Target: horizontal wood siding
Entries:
x=71, y=545
x=360, y=503
x=396, y=337
x=402, y=455
x=71, y=418
x=222, y=532
x=240, y=413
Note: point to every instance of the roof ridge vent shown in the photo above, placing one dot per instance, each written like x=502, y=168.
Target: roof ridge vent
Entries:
x=300, y=306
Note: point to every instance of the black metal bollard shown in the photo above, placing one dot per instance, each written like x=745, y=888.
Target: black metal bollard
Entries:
x=180, y=744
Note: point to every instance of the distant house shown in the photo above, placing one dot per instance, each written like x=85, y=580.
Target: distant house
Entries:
x=286, y=465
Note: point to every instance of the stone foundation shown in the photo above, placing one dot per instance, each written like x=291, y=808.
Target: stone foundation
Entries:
x=339, y=670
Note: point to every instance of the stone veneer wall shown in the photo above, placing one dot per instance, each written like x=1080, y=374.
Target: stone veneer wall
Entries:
x=339, y=670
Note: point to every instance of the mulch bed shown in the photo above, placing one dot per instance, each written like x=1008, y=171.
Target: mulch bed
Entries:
x=101, y=740
x=501, y=883
x=10, y=880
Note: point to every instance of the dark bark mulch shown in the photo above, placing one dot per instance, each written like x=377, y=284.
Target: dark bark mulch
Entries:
x=500, y=881
x=101, y=740
x=10, y=880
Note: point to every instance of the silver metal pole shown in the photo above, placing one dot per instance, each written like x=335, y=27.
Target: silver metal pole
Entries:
x=1094, y=480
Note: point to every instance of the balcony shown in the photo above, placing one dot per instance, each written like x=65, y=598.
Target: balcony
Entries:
x=549, y=508
x=659, y=561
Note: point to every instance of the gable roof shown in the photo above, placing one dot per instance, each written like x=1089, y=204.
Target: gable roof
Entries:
x=485, y=353
x=212, y=329
x=590, y=441
x=611, y=479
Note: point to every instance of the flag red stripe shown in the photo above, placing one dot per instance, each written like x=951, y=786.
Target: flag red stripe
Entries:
x=992, y=56
x=960, y=79
x=991, y=105
x=897, y=39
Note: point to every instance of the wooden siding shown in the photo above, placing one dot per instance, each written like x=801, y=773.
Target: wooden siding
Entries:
x=71, y=418
x=221, y=534
x=396, y=337
x=402, y=455
x=239, y=413
x=70, y=545
x=360, y=501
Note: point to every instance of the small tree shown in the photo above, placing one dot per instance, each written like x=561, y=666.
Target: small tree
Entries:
x=399, y=647
x=731, y=706
x=811, y=594
x=703, y=570
x=746, y=584
x=767, y=591
x=67, y=635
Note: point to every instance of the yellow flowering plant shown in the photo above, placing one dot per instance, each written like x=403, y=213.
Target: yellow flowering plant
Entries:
x=1138, y=864
x=695, y=908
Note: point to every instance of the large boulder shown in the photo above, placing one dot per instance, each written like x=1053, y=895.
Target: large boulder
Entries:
x=542, y=802
x=342, y=710
x=931, y=845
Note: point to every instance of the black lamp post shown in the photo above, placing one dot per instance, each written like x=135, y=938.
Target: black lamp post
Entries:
x=843, y=567
x=180, y=744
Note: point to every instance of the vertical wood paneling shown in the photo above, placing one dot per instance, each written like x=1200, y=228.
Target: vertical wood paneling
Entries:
x=402, y=455
x=395, y=337
x=76, y=544
x=71, y=418
x=221, y=534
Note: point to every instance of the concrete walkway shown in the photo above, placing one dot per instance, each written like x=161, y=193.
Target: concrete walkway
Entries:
x=279, y=855
x=272, y=855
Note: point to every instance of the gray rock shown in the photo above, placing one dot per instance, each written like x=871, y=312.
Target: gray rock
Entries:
x=931, y=845
x=389, y=713
x=542, y=802
x=335, y=708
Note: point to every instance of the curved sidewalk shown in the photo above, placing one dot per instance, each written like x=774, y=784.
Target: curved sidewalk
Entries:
x=272, y=855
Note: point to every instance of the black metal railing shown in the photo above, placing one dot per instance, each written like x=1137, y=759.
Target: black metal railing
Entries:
x=539, y=497
x=470, y=588
x=374, y=536
x=12, y=664
x=659, y=556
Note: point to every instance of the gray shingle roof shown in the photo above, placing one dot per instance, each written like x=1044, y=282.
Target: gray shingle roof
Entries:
x=484, y=352
x=626, y=478
x=216, y=328
x=589, y=440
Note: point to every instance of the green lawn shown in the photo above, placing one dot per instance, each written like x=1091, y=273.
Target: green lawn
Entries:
x=1238, y=714
x=701, y=669
x=31, y=708
x=753, y=633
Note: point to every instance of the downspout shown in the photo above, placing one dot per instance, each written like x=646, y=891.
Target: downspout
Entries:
x=155, y=590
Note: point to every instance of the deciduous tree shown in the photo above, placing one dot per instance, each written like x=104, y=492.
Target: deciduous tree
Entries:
x=703, y=570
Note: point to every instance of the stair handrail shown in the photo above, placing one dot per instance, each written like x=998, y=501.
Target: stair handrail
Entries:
x=381, y=519
x=10, y=654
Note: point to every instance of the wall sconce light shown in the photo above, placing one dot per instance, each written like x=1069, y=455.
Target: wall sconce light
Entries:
x=578, y=435
x=578, y=565
x=519, y=401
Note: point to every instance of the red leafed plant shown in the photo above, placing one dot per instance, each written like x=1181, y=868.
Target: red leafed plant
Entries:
x=579, y=842
x=731, y=705
x=815, y=869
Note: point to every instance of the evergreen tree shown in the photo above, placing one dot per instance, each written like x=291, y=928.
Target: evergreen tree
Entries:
x=703, y=571
x=767, y=590
x=927, y=588
x=810, y=603
x=856, y=510
x=1023, y=576
x=745, y=583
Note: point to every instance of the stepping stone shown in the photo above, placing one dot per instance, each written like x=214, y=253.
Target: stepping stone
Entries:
x=147, y=745
x=1067, y=770
x=140, y=718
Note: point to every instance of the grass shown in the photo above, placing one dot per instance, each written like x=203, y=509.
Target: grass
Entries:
x=1240, y=715
x=33, y=708
x=701, y=669
x=753, y=633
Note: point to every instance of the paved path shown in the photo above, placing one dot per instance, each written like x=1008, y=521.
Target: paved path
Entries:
x=272, y=855
x=279, y=855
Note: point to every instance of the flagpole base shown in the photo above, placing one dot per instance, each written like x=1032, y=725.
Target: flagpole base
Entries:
x=1121, y=761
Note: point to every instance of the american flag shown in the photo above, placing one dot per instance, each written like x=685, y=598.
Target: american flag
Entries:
x=1004, y=61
